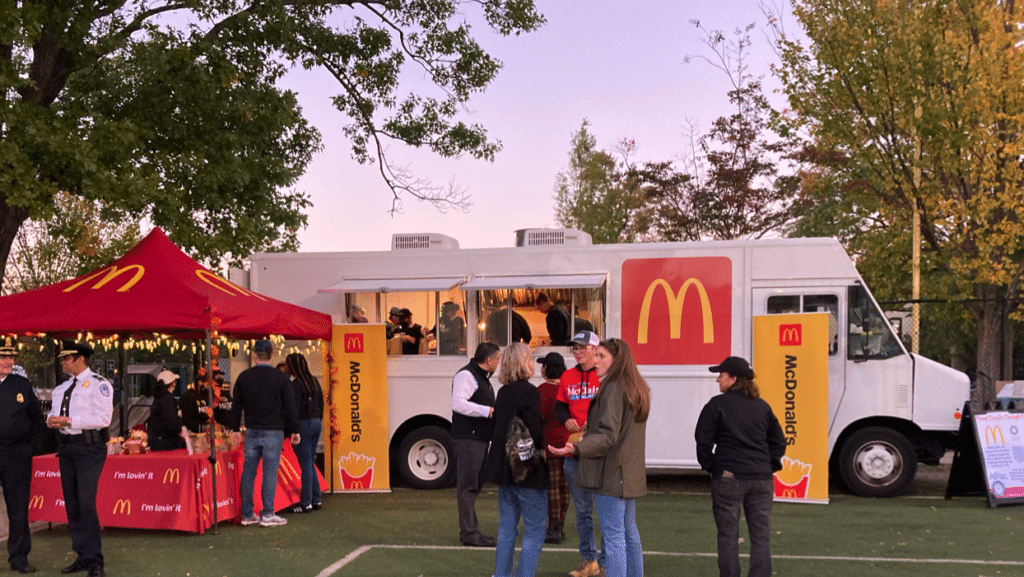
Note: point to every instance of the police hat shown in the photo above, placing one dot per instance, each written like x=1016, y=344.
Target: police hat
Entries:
x=8, y=346
x=73, y=348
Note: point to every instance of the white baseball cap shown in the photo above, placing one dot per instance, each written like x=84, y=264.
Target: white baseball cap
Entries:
x=167, y=377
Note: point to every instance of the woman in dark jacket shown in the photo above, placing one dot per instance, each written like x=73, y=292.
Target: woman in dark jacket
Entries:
x=164, y=424
x=529, y=498
x=309, y=398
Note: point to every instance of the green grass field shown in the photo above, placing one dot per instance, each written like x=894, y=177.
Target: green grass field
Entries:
x=414, y=533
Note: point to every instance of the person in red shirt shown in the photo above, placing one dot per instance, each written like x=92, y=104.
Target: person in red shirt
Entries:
x=576, y=388
x=555, y=434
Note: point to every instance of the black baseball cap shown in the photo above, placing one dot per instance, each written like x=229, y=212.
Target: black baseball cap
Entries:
x=735, y=366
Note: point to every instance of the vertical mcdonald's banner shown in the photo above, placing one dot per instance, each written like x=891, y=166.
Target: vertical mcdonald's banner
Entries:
x=791, y=364
x=356, y=446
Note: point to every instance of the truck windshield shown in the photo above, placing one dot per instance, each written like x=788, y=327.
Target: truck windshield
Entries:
x=870, y=335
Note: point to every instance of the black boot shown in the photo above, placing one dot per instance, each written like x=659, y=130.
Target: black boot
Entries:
x=555, y=535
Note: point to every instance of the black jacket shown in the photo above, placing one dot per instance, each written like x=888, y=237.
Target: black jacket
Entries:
x=164, y=424
x=266, y=397
x=21, y=416
x=515, y=399
x=741, y=435
x=193, y=408
x=309, y=406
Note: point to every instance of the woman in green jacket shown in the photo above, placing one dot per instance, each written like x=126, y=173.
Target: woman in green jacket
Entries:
x=611, y=454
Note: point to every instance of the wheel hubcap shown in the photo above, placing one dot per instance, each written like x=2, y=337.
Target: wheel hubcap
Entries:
x=428, y=459
x=878, y=463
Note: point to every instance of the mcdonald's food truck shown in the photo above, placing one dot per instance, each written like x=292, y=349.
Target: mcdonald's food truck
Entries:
x=681, y=307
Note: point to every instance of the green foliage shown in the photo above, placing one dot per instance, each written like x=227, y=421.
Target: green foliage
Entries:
x=888, y=89
x=171, y=111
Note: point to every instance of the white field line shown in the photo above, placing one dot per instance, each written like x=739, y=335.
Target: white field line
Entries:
x=354, y=554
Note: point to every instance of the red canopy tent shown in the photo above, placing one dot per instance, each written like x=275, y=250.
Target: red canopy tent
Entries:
x=157, y=288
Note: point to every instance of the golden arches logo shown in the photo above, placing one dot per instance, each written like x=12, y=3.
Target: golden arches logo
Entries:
x=224, y=285
x=789, y=493
x=218, y=470
x=123, y=506
x=790, y=335
x=357, y=484
x=994, y=432
x=36, y=502
x=112, y=273
x=675, y=310
x=172, y=475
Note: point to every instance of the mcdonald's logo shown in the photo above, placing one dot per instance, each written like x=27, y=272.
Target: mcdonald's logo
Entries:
x=357, y=484
x=675, y=310
x=692, y=324
x=994, y=432
x=790, y=335
x=224, y=285
x=218, y=469
x=172, y=475
x=353, y=342
x=789, y=493
x=36, y=502
x=123, y=506
x=112, y=273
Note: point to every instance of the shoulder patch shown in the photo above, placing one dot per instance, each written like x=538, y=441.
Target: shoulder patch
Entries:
x=105, y=389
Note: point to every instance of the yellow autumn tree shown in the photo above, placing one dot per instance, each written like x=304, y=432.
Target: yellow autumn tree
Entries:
x=921, y=104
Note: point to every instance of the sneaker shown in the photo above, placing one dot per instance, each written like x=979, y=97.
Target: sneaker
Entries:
x=316, y=506
x=250, y=520
x=587, y=568
x=301, y=509
x=272, y=520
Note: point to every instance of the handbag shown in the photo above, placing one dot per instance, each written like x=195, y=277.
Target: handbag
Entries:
x=523, y=457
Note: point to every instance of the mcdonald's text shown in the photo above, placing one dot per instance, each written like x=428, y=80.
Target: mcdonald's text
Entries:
x=790, y=412
x=354, y=388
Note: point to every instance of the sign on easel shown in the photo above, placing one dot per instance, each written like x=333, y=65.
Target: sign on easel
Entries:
x=995, y=438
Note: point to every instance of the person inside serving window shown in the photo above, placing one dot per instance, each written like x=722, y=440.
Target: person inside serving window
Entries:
x=409, y=332
x=164, y=424
x=450, y=330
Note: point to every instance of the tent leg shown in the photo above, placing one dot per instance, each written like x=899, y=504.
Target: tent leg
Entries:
x=213, y=436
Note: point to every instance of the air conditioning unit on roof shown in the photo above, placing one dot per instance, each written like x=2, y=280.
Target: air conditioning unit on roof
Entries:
x=551, y=237
x=422, y=240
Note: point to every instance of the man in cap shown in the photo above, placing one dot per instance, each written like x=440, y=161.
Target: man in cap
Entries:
x=264, y=397
x=82, y=409
x=21, y=427
x=557, y=320
x=576, y=389
x=392, y=324
x=411, y=333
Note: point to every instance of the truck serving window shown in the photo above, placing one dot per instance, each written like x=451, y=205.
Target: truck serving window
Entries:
x=429, y=323
x=870, y=334
x=824, y=303
x=546, y=313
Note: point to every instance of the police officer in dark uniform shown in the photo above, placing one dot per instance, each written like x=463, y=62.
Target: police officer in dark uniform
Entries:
x=82, y=409
x=21, y=428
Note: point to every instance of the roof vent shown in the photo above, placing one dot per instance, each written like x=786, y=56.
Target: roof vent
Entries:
x=551, y=237
x=423, y=240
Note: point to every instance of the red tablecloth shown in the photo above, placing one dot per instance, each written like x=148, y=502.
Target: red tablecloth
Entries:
x=164, y=490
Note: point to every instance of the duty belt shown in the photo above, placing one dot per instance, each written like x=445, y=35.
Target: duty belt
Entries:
x=87, y=437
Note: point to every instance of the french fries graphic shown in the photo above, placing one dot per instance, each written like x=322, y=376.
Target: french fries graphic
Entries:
x=356, y=470
x=792, y=480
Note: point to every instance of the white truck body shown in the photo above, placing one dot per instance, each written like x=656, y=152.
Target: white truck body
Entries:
x=883, y=402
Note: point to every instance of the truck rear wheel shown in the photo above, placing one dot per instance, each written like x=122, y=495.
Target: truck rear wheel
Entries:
x=877, y=462
x=426, y=459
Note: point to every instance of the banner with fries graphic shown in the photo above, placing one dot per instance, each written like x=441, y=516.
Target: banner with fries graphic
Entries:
x=791, y=364
x=356, y=422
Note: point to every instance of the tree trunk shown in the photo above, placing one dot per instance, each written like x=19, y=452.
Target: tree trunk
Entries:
x=991, y=323
x=11, y=219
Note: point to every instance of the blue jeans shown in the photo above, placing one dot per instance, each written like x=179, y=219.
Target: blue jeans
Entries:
x=532, y=505
x=266, y=445
x=305, y=451
x=727, y=495
x=625, y=555
x=583, y=503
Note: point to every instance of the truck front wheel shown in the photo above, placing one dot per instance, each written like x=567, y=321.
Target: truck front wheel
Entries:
x=877, y=462
x=426, y=459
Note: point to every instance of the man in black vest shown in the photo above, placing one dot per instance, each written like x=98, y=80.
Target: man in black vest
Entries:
x=472, y=409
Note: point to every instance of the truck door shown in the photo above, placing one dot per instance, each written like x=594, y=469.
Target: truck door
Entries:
x=776, y=301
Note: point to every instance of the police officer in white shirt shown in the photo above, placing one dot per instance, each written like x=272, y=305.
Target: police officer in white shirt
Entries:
x=82, y=409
